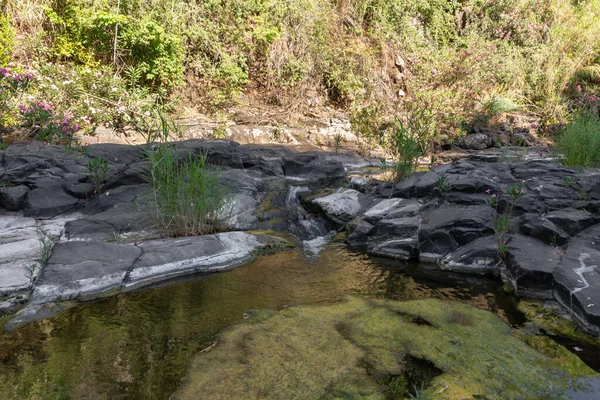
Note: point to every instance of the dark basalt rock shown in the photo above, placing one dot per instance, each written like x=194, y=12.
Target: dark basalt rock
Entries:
x=312, y=167
x=446, y=228
x=530, y=265
x=48, y=202
x=544, y=230
x=572, y=221
x=577, y=279
x=358, y=234
x=478, y=257
x=12, y=197
x=442, y=216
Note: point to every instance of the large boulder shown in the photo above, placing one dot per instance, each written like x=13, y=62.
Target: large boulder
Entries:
x=529, y=266
x=445, y=229
x=478, y=141
x=312, y=167
x=478, y=257
x=341, y=206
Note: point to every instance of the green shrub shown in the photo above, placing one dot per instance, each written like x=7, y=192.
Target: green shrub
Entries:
x=98, y=168
x=187, y=198
x=7, y=37
x=579, y=142
x=87, y=36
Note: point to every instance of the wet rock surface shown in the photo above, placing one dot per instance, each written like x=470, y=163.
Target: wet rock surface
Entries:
x=443, y=216
x=104, y=240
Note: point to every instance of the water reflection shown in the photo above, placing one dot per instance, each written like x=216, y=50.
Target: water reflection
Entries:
x=137, y=346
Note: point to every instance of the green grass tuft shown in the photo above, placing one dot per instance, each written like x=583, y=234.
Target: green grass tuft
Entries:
x=187, y=197
x=579, y=142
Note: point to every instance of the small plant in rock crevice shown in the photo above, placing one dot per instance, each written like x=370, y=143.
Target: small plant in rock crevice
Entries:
x=443, y=185
x=31, y=273
x=337, y=142
x=46, y=243
x=502, y=222
x=98, y=168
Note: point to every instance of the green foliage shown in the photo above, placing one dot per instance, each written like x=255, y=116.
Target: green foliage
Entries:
x=13, y=86
x=502, y=221
x=406, y=144
x=98, y=168
x=187, y=197
x=7, y=37
x=465, y=63
x=89, y=37
x=46, y=243
x=46, y=125
x=337, y=142
x=405, y=139
x=579, y=141
x=443, y=185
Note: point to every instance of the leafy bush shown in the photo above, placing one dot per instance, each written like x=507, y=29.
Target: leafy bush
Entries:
x=406, y=148
x=12, y=88
x=187, y=198
x=579, y=141
x=98, y=168
x=405, y=139
x=47, y=126
x=88, y=37
x=7, y=36
x=459, y=57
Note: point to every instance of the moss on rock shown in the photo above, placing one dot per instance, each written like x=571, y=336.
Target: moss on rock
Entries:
x=347, y=350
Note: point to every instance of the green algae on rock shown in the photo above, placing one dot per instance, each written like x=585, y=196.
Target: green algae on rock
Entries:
x=347, y=349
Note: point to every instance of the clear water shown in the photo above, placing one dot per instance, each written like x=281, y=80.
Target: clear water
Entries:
x=138, y=346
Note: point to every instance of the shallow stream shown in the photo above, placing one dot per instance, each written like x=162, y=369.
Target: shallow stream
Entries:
x=139, y=345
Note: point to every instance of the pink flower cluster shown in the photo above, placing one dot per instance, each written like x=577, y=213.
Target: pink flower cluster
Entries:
x=36, y=107
x=14, y=78
x=594, y=98
x=67, y=126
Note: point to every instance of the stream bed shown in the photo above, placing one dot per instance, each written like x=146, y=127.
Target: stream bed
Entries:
x=139, y=345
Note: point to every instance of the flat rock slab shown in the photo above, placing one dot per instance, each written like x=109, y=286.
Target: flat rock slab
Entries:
x=19, y=248
x=79, y=270
x=48, y=202
x=166, y=259
x=445, y=229
x=577, y=279
x=392, y=207
x=84, y=269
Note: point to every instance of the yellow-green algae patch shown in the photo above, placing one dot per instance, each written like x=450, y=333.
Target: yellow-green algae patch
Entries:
x=343, y=350
x=548, y=320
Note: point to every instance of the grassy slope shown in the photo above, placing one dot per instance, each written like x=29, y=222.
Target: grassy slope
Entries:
x=460, y=61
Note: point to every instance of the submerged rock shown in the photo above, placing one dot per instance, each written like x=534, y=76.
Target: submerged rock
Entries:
x=360, y=348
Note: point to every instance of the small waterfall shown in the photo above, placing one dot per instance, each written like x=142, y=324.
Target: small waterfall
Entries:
x=312, y=233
